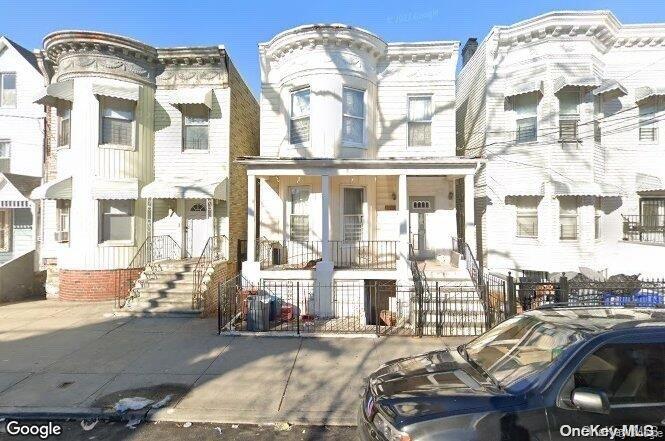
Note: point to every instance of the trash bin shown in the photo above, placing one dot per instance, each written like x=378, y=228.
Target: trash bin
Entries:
x=258, y=314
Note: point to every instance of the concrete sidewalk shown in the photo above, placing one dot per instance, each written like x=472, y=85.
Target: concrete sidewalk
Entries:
x=69, y=359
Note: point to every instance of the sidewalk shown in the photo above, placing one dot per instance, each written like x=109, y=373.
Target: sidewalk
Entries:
x=69, y=359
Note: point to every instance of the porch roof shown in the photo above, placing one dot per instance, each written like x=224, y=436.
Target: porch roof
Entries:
x=186, y=188
x=15, y=190
x=432, y=166
x=57, y=189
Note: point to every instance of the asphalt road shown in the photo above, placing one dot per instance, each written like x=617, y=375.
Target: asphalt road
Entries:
x=163, y=431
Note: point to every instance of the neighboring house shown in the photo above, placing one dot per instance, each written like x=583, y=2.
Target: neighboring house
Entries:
x=144, y=147
x=21, y=148
x=357, y=160
x=567, y=108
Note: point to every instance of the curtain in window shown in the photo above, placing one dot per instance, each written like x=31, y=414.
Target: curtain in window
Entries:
x=299, y=116
x=299, y=214
x=354, y=115
x=117, y=220
x=117, y=125
x=526, y=107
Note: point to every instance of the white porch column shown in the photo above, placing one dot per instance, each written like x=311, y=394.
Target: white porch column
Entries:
x=326, y=267
x=403, y=221
x=325, y=218
x=251, y=269
x=469, y=214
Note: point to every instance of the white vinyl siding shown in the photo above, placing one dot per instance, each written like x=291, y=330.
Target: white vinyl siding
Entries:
x=7, y=89
x=648, y=128
x=527, y=217
x=526, y=117
x=353, y=118
x=420, y=121
x=117, y=220
x=353, y=214
x=195, y=125
x=300, y=111
x=117, y=122
x=568, y=218
x=299, y=215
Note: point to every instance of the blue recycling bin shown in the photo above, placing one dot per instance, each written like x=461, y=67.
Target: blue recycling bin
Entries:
x=640, y=298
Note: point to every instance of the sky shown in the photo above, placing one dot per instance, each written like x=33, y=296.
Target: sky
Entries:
x=241, y=25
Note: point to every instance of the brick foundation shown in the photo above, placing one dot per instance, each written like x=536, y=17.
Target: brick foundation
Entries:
x=223, y=272
x=95, y=285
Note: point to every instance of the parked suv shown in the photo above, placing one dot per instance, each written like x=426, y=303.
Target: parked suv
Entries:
x=544, y=375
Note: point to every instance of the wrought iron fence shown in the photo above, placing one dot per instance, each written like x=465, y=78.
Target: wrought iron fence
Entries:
x=644, y=228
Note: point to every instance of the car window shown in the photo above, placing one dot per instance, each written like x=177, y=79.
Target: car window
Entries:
x=627, y=373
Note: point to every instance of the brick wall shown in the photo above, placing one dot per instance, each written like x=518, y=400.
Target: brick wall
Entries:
x=95, y=286
x=223, y=272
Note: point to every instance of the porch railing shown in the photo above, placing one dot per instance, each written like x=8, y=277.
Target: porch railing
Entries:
x=153, y=249
x=644, y=228
x=215, y=250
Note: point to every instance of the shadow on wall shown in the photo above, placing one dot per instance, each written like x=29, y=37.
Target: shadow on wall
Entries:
x=19, y=281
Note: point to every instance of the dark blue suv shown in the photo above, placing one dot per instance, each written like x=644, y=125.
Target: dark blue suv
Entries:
x=548, y=374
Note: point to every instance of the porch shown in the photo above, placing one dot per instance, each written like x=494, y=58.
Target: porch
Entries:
x=648, y=226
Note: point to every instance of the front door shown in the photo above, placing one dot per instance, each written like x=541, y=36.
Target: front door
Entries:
x=196, y=228
x=419, y=210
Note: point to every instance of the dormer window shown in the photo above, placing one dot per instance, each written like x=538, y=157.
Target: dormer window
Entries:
x=299, y=127
x=353, y=120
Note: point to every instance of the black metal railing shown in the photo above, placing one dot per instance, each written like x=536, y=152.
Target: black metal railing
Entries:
x=644, y=228
x=216, y=249
x=153, y=249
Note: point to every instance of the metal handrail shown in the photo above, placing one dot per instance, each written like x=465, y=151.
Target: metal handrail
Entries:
x=216, y=248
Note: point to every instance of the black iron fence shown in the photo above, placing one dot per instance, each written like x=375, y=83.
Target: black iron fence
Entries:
x=644, y=228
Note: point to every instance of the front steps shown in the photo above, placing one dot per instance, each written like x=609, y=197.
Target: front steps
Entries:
x=164, y=289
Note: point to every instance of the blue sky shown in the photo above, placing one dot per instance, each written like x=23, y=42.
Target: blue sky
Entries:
x=240, y=25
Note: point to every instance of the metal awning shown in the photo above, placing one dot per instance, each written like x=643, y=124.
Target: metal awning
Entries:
x=524, y=87
x=186, y=188
x=56, y=189
x=115, y=189
x=610, y=87
x=15, y=190
x=580, y=81
x=525, y=190
x=192, y=96
x=54, y=94
x=585, y=189
x=645, y=92
x=128, y=92
x=653, y=192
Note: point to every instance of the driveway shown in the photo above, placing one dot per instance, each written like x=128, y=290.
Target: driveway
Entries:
x=73, y=359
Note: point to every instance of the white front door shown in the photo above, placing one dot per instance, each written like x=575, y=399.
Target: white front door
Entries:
x=196, y=227
x=420, y=208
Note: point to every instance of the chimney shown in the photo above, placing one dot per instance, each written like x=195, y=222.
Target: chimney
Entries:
x=469, y=49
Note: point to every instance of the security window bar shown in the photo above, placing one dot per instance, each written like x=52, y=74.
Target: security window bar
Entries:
x=117, y=220
x=300, y=111
x=64, y=126
x=117, y=123
x=353, y=214
x=195, y=129
x=353, y=119
x=568, y=219
x=420, y=121
x=648, y=130
x=7, y=90
x=299, y=216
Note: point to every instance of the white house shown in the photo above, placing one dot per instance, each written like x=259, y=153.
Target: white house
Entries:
x=21, y=148
x=567, y=108
x=144, y=143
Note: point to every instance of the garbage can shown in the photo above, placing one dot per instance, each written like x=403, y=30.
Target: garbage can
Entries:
x=258, y=314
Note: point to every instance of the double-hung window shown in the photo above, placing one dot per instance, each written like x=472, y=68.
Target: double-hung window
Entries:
x=299, y=124
x=420, y=121
x=7, y=89
x=353, y=214
x=64, y=126
x=353, y=119
x=569, y=114
x=597, y=219
x=117, y=122
x=568, y=218
x=117, y=220
x=648, y=123
x=526, y=115
x=299, y=216
x=5, y=229
x=62, y=219
x=195, y=127
x=5, y=154
x=527, y=217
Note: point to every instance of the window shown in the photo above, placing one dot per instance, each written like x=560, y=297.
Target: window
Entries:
x=527, y=217
x=4, y=148
x=8, y=90
x=64, y=126
x=569, y=115
x=526, y=108
x=568, y=218
x=652, y=212
x=117, y=220
x=195, y=123
x=299, y=217
x=117, y=122
x=299, y=128
x=420, y=121
x=597, y=218
x=353, y=120
x=62, y=218
x=597, y=115
x=627, y=373
x=648, y=123
x=5, y=229
x=353, y=214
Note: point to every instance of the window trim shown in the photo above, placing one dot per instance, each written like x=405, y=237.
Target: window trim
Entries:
x=60, y=119
x=531, y=213
x=576, y=216
x=570, y=117
x=9, y=148
x=534, y=117
x=653, y=125
x=363, y=142
x=103, y=104
x=59, y=216
x=430, y=96
x=292, y=92
x=183, y=131
x=2, y=89
x=8, y=227
x=118, y=242
x=364, y=225
x=290, y=212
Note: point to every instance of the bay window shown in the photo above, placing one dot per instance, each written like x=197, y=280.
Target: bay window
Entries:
x=7, y=89
x=526, y=114
x=353, y=214
x=116, y=220
x=117, y=121
x=299, y=215
x=299, y=125
x=569, y=114
x=195, y=127
x=353, y=119
x=527, y=217
x=568, y=218
x=648, y=128
x=420, y=121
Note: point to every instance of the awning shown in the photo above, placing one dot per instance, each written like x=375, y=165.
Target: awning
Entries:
x=15, y=190
x=525, y=190
x=186, y=188
x=56, y=189
x=54, y=94
x=585, y=189
x=643, y=93
x=523, y=87
x=581, y=81
x=129, y=92
x=115, y=189
x=654, y=192
x=192, y=96
x=610, y=87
